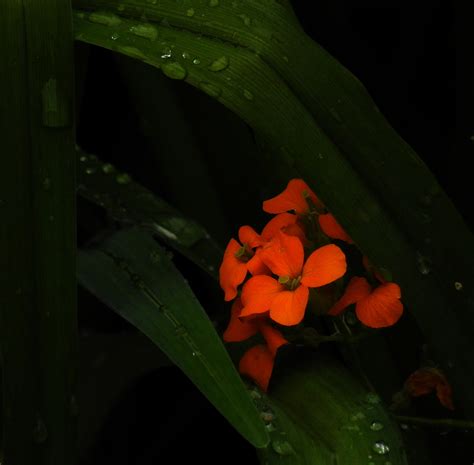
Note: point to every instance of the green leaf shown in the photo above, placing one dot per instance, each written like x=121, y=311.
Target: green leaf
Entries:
x=135, y=277
x=314, y=132
x=129, y=203
x=38, y=318
x=319, y=413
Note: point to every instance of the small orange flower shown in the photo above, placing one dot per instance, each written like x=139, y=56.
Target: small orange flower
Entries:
x=376, y=308
x=299, y=197
x=257, y=363
x=287, y=297
x=238, y=259
x=426, y=380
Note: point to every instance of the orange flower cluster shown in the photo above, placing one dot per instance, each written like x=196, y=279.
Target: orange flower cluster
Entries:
x=284, y=264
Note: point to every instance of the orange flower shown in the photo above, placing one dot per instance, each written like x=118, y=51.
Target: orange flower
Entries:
x=299, y=197
x=257, y=363
x=286, y=298
x=376, y=308
x=238, y=259
x=426, y=380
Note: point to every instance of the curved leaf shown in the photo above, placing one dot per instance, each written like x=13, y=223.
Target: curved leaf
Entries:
x=135, y=277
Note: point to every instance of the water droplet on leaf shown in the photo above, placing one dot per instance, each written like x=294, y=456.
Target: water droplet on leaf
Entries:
x=219, y=64
x=380, y=448
x=190, y=12
x=147, y=31
x=376, y=426
x=123, y=178
x=248, y=95
x=105, y=18
x=107, y=168
x=282, y=447
x=174, y=70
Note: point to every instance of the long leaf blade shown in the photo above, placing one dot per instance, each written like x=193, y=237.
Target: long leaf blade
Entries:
x=135, y=277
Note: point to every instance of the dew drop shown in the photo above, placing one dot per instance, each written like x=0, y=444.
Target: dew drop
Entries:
x=186, y=55
x=83, y=158
x=114, y=36
x=190, y=12
x=380, y=448
x=90, y=170
x=174, y=70
x=166, y=53
x=108, y=168
x=123, y=178
x=245, y=19
x=270, y=427
x=282, y=447
x=248, y=95
x=423, y=264
x=40, y=433
x=376, y=426
x=219, y=64
x=147, y=31
x=210, y=89
x=196, y=61
x=105, y=18
x=458, y=286
x=165, y=232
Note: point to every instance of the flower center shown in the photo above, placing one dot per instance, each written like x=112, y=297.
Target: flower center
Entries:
x=244, y=254
x=290, y=283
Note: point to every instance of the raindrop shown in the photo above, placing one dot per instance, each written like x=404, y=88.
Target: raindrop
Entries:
x=133, y=52
x=458, y=286
x=196, y=61
x=210, y=89
x=105, y=18
x=282, y=447
x=213, y=2
x=190, y=12
x=123, y=178
x=423, y=264
x=114, y=36
x=245, y=19
x=404, y=427
x=146, y=31
x=376, y=426
x=90, y=170
x=108, y=168
x=166, y=53
x=165, y=232
x=186, y=55
x=270, y=427
x=196, y=354
x=380, y=448
x=219, y=64
x=40, y=433
x=174, y=70
x=248, y=95
x=83, y=158
x=358, y=416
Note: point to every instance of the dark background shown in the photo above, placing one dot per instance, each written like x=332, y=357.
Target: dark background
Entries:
x=416, y=62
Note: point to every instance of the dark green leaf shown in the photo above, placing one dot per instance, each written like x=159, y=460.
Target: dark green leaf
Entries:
x=135, y=277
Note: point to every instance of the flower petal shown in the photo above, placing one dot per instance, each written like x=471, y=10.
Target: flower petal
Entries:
x=239, y=330
x=257, y=364
x=232, y=271
x=332, y=228
x=273, y=337
x=277, y=223
x=256, y=266
x=292, y=198
x=357, y=289
x=248, y=235
x=382, y=307
x=258, y=293
x=284, y=255
x=324, y=266
x=288, y=307
x=425, y=380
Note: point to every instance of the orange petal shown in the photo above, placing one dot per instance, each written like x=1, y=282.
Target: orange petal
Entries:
x=257, y=364
x=276, y=224
x=333, y=229
x=425, y=380
x=239, y=330
x=284, y=255
x=256, y=266
x=288, y=307
x=232, y=271
x=273, y=337
x=324, y=266
x=247, y=235
x=258, y=293
x=445, y=395
x=382, y=307
x=292, y=198
x=357, y=289
x=296, y=230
